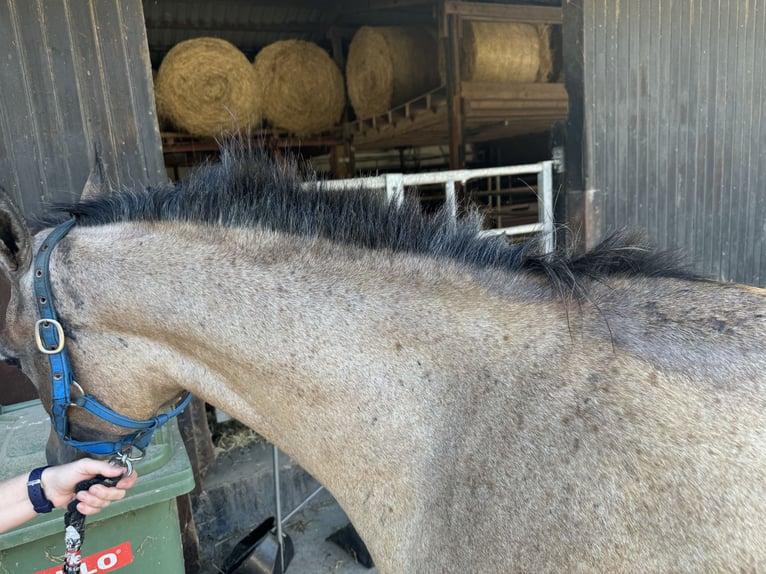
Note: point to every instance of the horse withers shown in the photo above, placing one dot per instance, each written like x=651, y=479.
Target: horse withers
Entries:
x=473, y=406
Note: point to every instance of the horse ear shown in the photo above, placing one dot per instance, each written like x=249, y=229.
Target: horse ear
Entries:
x=15, y=241
x=94, y=184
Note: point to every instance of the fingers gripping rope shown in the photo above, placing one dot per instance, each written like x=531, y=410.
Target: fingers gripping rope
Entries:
x=74, y=522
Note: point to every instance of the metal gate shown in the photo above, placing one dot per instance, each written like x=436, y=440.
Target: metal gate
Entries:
x=395, y=183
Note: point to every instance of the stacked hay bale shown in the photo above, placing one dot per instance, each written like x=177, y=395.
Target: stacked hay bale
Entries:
x=505, y=52
x=300, y=86
x=206, y=87
x=388, y=66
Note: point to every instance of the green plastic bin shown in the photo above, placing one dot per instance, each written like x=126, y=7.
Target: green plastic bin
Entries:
x=137, y=534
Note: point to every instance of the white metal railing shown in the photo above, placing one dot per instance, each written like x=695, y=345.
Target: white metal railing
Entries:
x=394, y=184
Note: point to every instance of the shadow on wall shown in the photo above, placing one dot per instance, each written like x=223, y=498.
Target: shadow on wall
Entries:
x=15, y=386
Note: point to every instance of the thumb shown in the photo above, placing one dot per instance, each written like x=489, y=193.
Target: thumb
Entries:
x=91, y=467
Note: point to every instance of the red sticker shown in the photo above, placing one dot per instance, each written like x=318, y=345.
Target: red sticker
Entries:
x=101, y=563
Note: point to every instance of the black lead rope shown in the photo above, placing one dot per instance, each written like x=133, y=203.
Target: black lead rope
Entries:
x=74, y=522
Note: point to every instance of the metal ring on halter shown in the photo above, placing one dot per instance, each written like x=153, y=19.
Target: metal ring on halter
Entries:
x=45, y=323
x=123, y=458
x=77, y=386
x=124, y=455
x=140, y=456
x=124, y=462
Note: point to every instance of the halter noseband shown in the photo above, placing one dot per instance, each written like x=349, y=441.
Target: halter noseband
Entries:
x=49, y=335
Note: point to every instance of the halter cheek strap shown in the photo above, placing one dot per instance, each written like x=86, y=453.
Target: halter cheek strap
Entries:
x=51, y=341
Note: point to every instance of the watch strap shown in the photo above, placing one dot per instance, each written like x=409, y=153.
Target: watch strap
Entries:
x=36, y=492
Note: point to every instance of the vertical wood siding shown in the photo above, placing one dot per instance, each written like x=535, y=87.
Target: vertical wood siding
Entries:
x=675, y=102
x=74, y=74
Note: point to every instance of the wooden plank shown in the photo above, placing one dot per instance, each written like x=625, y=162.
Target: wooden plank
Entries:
x=353, y=6
x=517, y=125
x=77, y=75
x=471, y=107
x=409, y=127
x=492, y=112
x=416, y=133
x=504, y=12
x=504, y=130
x=503, y=91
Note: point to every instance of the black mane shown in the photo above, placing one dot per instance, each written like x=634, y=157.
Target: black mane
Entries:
x=247, y=189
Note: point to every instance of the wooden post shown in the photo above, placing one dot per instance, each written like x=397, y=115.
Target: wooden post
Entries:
x=341, y=161
x=576, y=203
x=449, y=36
x=342, y=155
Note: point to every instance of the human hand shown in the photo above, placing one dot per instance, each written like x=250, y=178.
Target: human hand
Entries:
x=59, y=483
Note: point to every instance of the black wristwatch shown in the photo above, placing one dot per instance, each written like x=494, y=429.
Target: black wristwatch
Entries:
x=36, y=492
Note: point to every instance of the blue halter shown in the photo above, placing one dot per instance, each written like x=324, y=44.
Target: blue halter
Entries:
x=51, y=341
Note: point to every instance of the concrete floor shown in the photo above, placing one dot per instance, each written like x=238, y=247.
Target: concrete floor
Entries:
x=309, y=529
x=238, y=494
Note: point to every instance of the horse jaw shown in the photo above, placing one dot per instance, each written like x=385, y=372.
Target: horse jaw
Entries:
x=58, y=452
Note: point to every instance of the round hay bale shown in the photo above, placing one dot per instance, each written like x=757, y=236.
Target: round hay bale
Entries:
x=301, y=87
x=546, y=54
x=206, y=87
x=388, y=66
x=505, y=52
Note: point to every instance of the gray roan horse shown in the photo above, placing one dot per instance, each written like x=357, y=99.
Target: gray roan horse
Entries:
x=474, y=407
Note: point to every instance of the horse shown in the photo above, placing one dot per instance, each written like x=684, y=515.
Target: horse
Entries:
x=473, y=405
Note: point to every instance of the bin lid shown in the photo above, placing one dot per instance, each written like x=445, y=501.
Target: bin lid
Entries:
x=164, y=473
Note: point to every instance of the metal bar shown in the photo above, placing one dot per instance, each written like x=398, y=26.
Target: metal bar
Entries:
x=544, y=170
x=278, y=506
x=545, y=202
x=394, y=187
x=303, y=503
x=515, y=230
x=451, y=197
x=373, y=182
x=467, y=174
x=463, y=175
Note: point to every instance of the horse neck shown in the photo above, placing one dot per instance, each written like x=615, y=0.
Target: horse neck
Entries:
x=344, y=359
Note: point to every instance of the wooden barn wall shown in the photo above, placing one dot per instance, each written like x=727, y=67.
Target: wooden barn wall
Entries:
x=675, y=105
x=74, y=74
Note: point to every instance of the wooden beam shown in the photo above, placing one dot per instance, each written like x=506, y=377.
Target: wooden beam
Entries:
x=454, y=101
x=504, y=12
x=315, y=4
x=500, y=91
x=302, y=28
x=341, y=32
x=355, y=6
x=474, y=107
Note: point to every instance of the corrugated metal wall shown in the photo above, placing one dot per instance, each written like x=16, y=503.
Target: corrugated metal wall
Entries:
x=73, y=74
x=675, y=105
